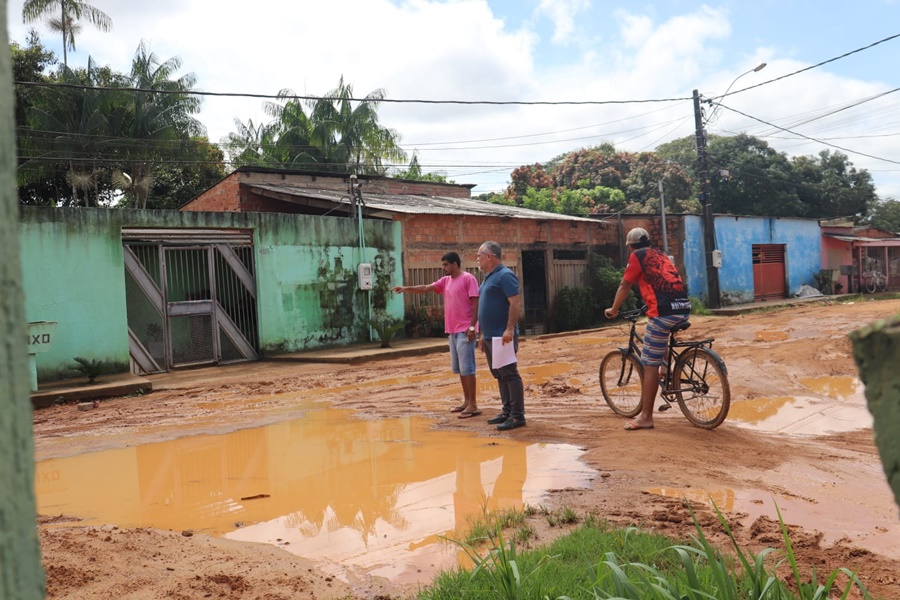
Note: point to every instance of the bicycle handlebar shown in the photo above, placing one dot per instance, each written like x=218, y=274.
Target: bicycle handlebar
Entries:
x=632, y=315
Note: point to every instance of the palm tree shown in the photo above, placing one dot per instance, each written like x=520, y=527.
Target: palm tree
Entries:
x=350, y=135
x=67, y=22
x=249, y=145
x=76, y=122
x=157, y=118
x=292, y=142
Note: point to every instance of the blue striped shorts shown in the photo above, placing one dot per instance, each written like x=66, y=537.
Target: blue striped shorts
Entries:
x=656, y=338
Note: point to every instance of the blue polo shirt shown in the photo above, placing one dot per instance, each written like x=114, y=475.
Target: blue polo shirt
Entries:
x=493, y=306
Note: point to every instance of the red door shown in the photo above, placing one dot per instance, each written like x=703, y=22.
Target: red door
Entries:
x=768, y=272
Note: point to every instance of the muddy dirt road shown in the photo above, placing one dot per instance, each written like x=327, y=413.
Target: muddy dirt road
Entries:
x=798, y=435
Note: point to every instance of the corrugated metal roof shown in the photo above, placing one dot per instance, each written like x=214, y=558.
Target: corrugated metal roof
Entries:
x=409, y=204
x=864, y=241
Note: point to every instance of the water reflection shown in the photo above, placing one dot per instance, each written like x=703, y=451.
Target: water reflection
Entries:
x=771, y=336
x=839, y=388
x=724, y=499
x=371, y=494
x=757, y=410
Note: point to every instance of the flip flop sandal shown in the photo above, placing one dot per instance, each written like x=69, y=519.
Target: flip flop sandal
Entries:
x=468, y=414
x=458, y=408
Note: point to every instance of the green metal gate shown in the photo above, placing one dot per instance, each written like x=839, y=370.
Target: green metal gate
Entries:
x=191, y=298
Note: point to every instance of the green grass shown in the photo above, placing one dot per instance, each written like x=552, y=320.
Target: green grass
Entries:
x=597, y=561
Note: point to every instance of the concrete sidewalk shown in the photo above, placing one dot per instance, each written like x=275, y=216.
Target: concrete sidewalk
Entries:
x=741, y=309
x=122, y=384
x=358, y=353
x=67, y=390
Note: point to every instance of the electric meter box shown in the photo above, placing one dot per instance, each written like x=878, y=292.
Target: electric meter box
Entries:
x=717, y=259
x=364, y=274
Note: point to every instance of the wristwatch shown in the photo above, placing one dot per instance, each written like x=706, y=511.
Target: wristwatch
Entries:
x=471, y=328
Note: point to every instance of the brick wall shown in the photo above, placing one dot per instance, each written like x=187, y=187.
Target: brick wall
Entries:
x=653, y=225
x=223, y=197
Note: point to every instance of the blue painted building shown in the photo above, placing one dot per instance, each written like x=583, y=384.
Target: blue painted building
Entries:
x=762, y=257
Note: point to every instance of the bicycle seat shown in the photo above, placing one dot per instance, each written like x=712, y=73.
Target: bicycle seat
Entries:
x=681, y=326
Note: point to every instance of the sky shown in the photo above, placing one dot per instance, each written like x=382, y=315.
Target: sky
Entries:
x=610, y=53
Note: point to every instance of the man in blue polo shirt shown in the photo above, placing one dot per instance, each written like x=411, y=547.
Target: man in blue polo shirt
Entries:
x=498, y=317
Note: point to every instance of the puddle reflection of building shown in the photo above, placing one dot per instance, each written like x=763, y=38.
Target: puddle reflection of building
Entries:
x=331, y=486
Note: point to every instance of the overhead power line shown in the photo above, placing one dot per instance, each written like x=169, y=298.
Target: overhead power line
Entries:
x=818, y=141
x=75, y=86
x=423, y=101
x=809, y=68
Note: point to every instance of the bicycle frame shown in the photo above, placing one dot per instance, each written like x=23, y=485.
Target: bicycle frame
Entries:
x=695, y=378
x=672, y=355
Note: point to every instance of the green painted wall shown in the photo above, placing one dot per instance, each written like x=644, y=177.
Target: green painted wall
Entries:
x=307, y=294
x=72, y=271
x=307, y=278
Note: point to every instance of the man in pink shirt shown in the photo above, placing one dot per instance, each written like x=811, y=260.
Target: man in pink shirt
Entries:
x=460, y=291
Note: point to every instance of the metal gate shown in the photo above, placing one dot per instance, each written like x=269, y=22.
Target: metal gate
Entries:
x=768, y=272
x=191, y=298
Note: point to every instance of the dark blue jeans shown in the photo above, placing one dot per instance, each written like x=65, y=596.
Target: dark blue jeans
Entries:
x=512, y=391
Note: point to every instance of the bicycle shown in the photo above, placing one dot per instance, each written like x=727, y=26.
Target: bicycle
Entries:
x=696, y=377
x=874, y=281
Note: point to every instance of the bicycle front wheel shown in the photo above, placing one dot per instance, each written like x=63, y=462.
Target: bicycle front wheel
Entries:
x=702, y=389
x=621, y=378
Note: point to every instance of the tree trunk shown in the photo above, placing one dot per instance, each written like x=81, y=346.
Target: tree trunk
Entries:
x=62, y=8
x=876, y=349
x=21, y=575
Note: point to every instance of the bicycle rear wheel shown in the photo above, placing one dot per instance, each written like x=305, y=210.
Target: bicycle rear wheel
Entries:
x=621, y=377
x=871, y=284
x=702, y=390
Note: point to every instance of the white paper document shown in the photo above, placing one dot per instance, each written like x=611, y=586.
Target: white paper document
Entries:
x=502, y=354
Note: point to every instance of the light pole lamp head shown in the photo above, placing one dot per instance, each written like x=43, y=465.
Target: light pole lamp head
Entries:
x=759, y=68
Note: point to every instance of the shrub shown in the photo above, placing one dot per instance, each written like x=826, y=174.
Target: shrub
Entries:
x=574, y=308
x=698, y=308
x=386, y=327
x=604, y=279
x=92, y=369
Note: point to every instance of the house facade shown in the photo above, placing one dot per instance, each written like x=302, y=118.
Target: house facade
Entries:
x=547, y=251
x=155, y=290
x=762, y=257
x=852, y=253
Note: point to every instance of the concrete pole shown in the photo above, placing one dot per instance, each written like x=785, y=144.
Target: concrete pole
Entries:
x=21, y=574
x=876, y=349
x=662, y=213
x=709, y=225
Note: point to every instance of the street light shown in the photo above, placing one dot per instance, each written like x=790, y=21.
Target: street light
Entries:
x=713, y=260
x=755, y=69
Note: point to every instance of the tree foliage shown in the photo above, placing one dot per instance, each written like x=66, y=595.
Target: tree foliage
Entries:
x=415, y=173
x=746, y=176
x=338, y=134
x=85, y=146
x=886, y=215
x=65, y=17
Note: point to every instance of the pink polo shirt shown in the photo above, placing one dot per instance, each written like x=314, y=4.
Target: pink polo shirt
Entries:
x=457, y=293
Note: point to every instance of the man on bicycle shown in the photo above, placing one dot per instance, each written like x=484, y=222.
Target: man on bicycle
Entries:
x=665, y=294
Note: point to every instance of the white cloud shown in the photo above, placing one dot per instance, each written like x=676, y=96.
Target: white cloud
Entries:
x=461, y=50
x=562, y=13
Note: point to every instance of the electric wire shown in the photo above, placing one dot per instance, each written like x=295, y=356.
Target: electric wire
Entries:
x=811, y=138
x=809, y=68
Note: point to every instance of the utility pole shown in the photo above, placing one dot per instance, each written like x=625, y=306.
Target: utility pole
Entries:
x=662, y=213
x=709, y=226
